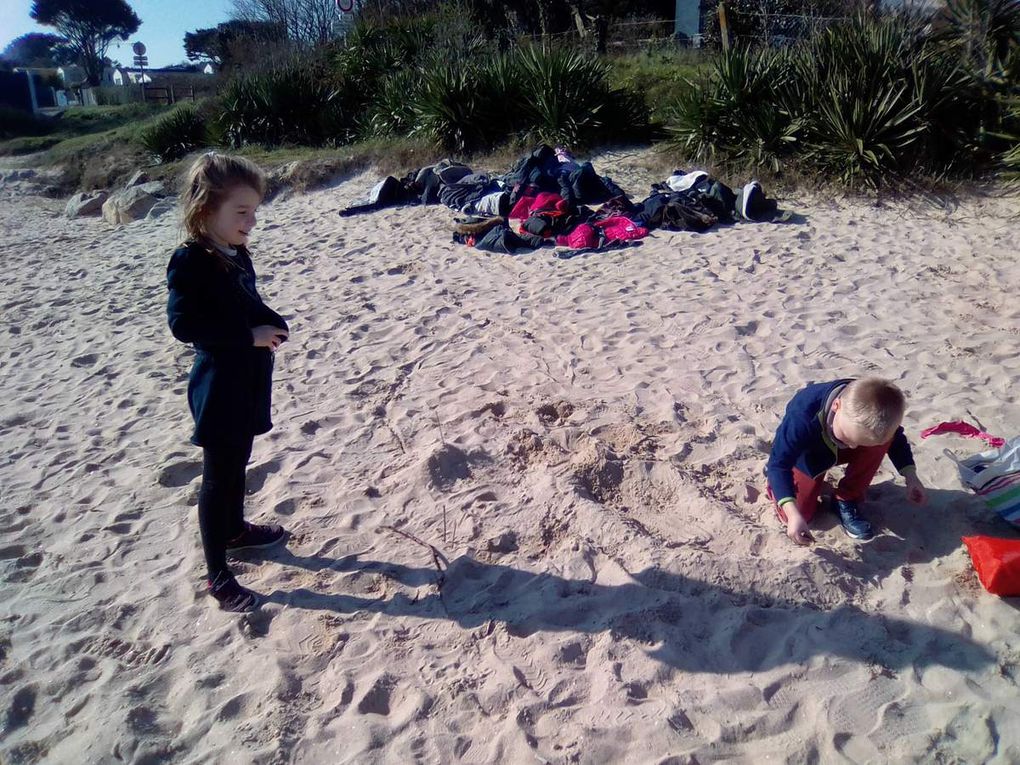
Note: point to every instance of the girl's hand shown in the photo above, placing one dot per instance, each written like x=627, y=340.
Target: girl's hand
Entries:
x=915, y=490
x=268, y=336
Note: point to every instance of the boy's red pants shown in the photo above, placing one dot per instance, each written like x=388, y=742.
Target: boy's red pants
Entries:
x=861, y=463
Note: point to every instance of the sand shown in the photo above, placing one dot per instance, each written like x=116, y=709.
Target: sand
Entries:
x=581, y=440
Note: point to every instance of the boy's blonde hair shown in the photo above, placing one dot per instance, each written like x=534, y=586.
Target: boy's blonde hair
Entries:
x=209, y=180
x=874, y=404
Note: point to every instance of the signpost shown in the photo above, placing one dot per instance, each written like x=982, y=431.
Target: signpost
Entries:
x=141, y=60
x=345, y=11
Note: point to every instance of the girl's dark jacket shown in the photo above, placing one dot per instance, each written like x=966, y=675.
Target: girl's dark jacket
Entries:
x=213, y=304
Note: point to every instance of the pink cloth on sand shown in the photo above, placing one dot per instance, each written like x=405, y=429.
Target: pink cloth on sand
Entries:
x=581, y=237
x=964, y=429
x=620, y=229
x=547, y=203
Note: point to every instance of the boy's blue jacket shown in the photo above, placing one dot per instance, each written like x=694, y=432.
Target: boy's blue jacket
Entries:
x=213, y=304
x=802, y=441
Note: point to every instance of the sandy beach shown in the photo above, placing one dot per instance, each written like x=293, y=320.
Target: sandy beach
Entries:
x=582, y=440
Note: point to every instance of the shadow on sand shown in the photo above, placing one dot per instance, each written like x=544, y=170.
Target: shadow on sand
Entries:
x=692, y=625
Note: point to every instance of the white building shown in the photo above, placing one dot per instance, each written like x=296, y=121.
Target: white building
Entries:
x=130, y=77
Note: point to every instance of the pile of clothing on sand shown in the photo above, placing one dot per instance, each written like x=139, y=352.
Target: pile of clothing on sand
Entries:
x=549, y=199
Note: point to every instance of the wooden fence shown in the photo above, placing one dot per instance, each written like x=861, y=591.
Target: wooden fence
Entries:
x=167, y=94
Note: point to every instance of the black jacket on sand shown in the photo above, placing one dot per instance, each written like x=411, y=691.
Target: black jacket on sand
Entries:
x=214, y=305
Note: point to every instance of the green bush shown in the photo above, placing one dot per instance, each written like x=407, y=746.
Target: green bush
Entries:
x=181, y=131
x=566, y=94
x=392, y=111
x=295, y=105
x=736, y=113
x=864, y=103
x=451, y=111
x=556, y=96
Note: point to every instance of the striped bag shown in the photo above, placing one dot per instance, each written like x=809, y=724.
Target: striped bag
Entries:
x=995, y=477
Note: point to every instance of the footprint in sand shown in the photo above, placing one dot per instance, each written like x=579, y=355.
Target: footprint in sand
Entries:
x=232, y=708
x=285, y=507
x=11, y=552
x=257, y=623
x=556, y=413
x=257, y=476
x=21, y=709
x=497, y=408
x=179, y=474
x=85, y=361
x=377, y=700
x=448, y=465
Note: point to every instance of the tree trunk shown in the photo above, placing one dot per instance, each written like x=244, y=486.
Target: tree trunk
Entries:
x=93, y=65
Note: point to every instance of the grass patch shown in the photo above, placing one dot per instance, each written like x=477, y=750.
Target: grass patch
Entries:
x=27, y=145
x=97, y=150
x=76, y=122
x=660, y=75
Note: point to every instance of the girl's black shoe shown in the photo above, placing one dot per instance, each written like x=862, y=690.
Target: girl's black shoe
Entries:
x=255, y=536
x=232, y=596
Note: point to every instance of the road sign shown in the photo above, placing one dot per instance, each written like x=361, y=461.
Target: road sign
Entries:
x=141, y=60
x=138, y=48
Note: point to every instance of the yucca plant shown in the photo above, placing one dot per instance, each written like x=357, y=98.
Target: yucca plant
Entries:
x=858, y=135
x=1009, y=160
x=392, y=111
x=500, y=82
x=181, y=131
x=738, y=113
x=565, y=93
x=698, y=121
x=447, y=108
x=987, y=32
x=853, y=92
x=291, y=105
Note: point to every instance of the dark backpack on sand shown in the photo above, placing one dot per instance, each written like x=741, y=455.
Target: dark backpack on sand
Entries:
x=676, y=211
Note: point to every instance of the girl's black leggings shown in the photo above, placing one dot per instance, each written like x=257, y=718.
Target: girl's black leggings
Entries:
x=221, y=501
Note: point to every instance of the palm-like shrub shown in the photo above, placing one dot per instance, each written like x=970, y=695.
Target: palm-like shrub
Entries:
x=565, y=93
x=556, y=96
x=451, y=111
x=865, y=103
x=738, y=111
x=392, y=110
x=181, y=131
x=1009, y=159
x=854, y=91
x=292, y=105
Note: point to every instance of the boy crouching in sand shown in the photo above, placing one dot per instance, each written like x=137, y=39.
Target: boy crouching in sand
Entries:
x=846, y=422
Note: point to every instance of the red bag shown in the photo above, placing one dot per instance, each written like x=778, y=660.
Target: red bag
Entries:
x=997, y=562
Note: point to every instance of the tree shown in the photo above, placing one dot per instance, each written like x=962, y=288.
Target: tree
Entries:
x=37, y=50
x=307, y=22
x=89, y=27
x=216, y=44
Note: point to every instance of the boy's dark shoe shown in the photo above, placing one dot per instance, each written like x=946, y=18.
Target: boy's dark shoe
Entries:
x=256, y=536
x=853, y=524
x=232, y=596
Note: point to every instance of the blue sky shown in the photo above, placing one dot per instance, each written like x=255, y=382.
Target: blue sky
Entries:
x=164, y=23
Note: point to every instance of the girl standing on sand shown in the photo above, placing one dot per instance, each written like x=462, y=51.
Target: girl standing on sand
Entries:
x=214, y=305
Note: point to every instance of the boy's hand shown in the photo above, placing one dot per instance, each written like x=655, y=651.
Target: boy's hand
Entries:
x=796, y=526
x=916, y=492
x=796, y=529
